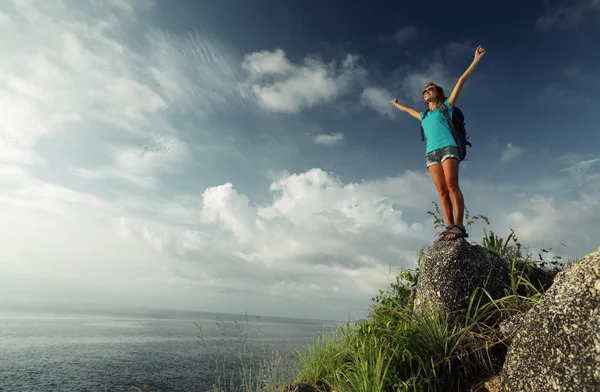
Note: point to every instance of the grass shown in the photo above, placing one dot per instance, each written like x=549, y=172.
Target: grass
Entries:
x=396, y=349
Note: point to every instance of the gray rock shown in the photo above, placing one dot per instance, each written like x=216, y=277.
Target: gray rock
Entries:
x=557, y=347
x=509, y=326
x=452, y=271
x=493, y=384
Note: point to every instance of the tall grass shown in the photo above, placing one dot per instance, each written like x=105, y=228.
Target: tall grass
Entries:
x=246, y=363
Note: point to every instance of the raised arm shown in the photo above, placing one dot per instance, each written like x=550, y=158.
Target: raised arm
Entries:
x=406, y=109
x=479, y=52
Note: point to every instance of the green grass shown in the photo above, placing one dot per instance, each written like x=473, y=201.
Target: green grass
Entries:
x=396, y=349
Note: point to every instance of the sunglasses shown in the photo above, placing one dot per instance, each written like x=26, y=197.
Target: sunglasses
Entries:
x=428, y=89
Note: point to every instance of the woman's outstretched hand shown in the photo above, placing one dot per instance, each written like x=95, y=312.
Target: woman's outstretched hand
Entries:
x=479, y=52
x=406, y=109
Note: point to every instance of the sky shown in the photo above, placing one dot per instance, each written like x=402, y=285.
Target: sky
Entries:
x=243, y=156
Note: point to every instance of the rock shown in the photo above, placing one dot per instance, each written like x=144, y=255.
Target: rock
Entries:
x=451, y=273
x=493, y=384
x=509, y=326
x=557, y=347
x=300, y=387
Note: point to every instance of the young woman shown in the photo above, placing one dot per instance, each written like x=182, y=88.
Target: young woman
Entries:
x=441, y=153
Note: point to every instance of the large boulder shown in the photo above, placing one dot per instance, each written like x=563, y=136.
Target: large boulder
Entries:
x=557, y=347
x=452, y=271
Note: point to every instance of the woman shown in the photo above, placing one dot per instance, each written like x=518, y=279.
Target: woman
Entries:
x=441, y=154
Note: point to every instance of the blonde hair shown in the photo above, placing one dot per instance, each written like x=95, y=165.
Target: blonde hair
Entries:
x=441, y=95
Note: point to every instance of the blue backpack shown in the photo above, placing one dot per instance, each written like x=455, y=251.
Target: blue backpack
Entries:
x=457, y=125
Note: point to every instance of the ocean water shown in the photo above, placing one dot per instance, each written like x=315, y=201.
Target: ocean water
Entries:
x=150, y=350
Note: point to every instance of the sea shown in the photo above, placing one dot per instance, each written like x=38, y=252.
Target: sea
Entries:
x=147, y=350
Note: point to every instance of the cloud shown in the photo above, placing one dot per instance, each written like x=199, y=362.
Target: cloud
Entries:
x=402, y=35
x=74, y=72
x=279, y=85
x=567, y=16
x=411, y=80
x=73, y=68
x=378, y=99
x=511, y=152
x=314, y=208
x=329, y=139
x=414, y=82
x=317, y=239
x=197, y=74
x=317, y=243
x=318, y=233
x=141, y=166
x=58, y=224
x=543, y=222
x=582, y=170
x=562, y=207
x=22, y=191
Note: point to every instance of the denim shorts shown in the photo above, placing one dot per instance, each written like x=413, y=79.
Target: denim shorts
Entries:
x=441, y=154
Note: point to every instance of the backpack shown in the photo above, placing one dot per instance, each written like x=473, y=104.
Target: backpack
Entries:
x=457, y=125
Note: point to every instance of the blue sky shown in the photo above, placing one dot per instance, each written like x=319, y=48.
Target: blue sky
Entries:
x=244, y=156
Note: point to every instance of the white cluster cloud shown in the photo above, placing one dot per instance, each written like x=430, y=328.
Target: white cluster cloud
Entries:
x=320, y=238
x=319, y=244
x=317, y=209
x=282, y=86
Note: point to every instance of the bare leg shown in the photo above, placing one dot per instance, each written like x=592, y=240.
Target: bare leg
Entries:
x=437, y=175
x=450, y=170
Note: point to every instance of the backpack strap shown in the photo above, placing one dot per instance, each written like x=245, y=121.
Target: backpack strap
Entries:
x=423, y=131
x=444, y=111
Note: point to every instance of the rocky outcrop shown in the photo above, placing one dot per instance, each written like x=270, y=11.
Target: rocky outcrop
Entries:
x=557, y=346
x=452, y=271
x=552, y=346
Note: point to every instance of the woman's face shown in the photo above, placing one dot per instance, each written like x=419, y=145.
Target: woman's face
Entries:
x=430, y=94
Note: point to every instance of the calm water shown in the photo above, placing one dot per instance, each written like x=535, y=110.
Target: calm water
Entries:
x=170, y=351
